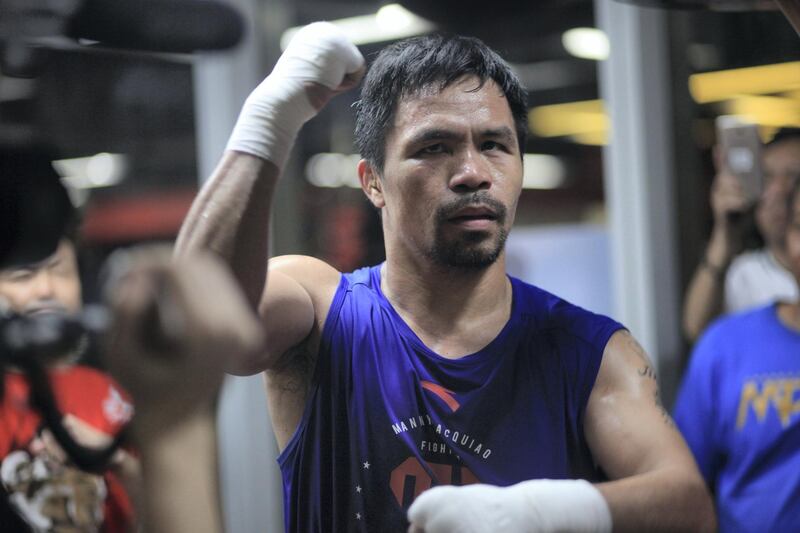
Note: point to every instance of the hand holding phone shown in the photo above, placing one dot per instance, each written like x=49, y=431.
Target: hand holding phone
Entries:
x=741, y=148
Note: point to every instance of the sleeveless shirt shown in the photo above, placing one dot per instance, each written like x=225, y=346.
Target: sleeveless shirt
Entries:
x=388, y=418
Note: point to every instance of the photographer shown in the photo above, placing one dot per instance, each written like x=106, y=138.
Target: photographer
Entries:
x=42, y=485
x=727, y=280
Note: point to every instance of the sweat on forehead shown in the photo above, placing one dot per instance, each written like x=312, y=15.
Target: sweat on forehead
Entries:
x=427, y=65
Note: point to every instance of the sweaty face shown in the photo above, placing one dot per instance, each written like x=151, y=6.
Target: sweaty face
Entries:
x=452, y=175
x=781, y=170
x=52, y=285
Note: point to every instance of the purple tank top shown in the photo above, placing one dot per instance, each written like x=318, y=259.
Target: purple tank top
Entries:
x=387, y=418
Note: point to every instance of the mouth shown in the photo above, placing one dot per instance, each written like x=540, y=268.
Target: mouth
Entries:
x=46, y=311
x=473, y=213
x=474, y=217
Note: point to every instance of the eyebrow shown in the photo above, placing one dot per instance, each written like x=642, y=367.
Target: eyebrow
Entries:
x=432, y=134
x=438, y=134
x=504, y=132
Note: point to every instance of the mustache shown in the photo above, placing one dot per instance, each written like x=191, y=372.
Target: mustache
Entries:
x=476, y=199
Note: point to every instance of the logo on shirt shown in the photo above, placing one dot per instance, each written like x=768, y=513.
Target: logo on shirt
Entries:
x=759, y=394
x=446, y=395
x=116, y=409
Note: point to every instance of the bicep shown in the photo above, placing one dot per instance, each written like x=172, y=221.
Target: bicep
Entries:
x=628, y=430
x=296, y=300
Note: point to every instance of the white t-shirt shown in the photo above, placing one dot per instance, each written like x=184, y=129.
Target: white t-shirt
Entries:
x=755, y=279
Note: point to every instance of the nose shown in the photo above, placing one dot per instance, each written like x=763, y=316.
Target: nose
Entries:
x=471, y=173
x=43, y=287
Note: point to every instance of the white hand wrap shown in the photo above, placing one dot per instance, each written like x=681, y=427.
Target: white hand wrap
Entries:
x=277, y=109
x=540, y=505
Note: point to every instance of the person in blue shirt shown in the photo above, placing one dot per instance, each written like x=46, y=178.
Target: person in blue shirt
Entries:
x=739, y=409
x=433, y=392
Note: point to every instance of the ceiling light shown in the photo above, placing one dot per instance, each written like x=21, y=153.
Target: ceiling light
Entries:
x=724, y=84
x=391, y=22
x=582, y=121
x=766, y=110
x=586, y=43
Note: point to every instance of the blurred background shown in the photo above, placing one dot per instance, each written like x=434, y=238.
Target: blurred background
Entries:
x=613, y=216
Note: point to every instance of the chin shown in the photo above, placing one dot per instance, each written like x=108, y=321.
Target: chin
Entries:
x=475, y=252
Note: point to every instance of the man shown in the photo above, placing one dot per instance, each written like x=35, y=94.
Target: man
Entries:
x=434, y=368
x=45, y=490
x=725, y=281
x=738, y=408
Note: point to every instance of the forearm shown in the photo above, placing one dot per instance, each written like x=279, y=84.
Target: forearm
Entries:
x=231, y=216
x=667, y=500
x=181, y=488
x=704, y=301
x=705, y=295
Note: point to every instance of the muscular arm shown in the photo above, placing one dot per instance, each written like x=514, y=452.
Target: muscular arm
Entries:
x=656, y=486
x=655, y=483
x=230, y=217
x=231, y=214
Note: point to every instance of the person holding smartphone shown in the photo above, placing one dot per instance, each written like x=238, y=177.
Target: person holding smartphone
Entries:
x=727, y=279
x=735, y=407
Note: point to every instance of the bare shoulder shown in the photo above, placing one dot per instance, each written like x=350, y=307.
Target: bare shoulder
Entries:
x=304, y=266
x=624, y=361
x=292, y=310
x=316, y=277
x=626, y=400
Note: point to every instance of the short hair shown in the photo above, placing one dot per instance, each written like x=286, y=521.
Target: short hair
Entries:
x=35, y=209
x=408, y=67
x=785, y=134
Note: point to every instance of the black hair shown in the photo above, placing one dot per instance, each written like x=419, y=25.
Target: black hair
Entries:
x=35, y=210
x=408, y=67
x=785, y=134
x=794, y=194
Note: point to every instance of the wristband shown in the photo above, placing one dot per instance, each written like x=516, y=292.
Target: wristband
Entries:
x=718, y=272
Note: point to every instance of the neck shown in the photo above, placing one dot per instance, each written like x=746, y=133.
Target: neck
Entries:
x=443, y=304
x=789, y=315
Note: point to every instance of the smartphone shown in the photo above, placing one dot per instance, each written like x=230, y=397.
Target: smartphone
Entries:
x=741, y=153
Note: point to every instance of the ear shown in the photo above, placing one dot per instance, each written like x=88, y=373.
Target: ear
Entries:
x=371, y=183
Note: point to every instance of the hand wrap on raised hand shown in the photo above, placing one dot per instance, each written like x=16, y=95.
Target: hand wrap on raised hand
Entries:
x=276, y=110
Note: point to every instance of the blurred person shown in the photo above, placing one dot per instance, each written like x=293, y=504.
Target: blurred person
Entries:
x=41, y=484
x=727, y=280
x=738, y=408
x=434, y=368
x=164, y=346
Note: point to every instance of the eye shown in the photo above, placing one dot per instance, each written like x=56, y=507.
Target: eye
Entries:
x=493, y=145
x=20, y=275
x=437, y=148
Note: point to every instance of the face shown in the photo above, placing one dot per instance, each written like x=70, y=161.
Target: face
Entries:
x=47, y=286
x=452, y=176
x=793, y=236
x=781, y=169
